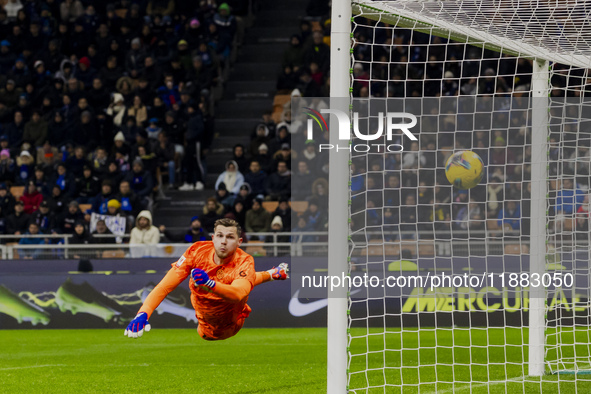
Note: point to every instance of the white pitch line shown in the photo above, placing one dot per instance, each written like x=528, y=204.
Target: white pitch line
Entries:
x=33, y=366
x=474, y=386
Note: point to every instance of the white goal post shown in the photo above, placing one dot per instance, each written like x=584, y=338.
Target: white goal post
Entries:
x=555, y=37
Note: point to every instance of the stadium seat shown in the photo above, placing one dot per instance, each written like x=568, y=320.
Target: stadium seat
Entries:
x=255, y=248
x=516, y=249
x=299, y=206
x=113, y=254
x=276, y=115
x=568, y=224
x=14, y=250
x=270, y=206
x=85, y=207
x=375, y=248
x=280, y=99
x=17, y=191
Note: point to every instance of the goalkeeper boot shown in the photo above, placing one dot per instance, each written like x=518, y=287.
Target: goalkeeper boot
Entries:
x=281, y=272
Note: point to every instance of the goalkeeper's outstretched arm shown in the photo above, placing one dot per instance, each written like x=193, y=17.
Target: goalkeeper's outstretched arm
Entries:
x=171, y=280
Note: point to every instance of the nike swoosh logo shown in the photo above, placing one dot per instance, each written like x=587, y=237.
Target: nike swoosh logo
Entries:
x=299, y=309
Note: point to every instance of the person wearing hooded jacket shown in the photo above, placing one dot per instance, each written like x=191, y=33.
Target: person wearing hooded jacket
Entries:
x=144, y=232
x=261, y=137
x=232, y=178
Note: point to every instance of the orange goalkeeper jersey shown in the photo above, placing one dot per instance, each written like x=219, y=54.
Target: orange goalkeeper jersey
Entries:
x=211, y=309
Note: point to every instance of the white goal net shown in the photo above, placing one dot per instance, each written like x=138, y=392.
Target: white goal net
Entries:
x=486, y=289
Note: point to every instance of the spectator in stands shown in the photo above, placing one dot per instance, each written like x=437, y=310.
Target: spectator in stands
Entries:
x=7, y=200
x=153, y=130
x=283, y=210
x=238, y=213
x=306, y=84
x=56, y=199
x=87, y=187
x=44, y=218
x=245, y=196
x=302, y=179
x=278, y=183
x=303, y=227
x=510, y=216
x=264, y=158
x=165, y=155
x=144, y=232
x=114, y=174
x=100, y=161
x=130, y=203
x=320, y=193
x=100, y=202
x=293, y=57
x=224, y=197
x=194, y=138
x=276, y=228
x=256, y=178
x=66, y=221
x=195, y=234
x=57, y=132
x=212, y=211
x=408, y=217
x=232, y=178
x=225, y=24
x=75, y=164
x=25, y=164
x=15, y=130
x=80, y=237
x=120, y=145
x=113, y=208
x=102, y=229
x=569, y=198
x=282, y=139
x=287, y=81
x=17, y=222
x=240, y=158
x=7, y=167
x=141, y=181
x=31, y=198
x=64, y=180
x=315, y=218
x=30, y=254
x=116, y=109
x=261, y=137
x=258, y=220
x=35, y=130
x=318, y=52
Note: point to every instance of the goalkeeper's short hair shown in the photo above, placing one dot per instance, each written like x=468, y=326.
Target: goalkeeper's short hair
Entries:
x=227, y=222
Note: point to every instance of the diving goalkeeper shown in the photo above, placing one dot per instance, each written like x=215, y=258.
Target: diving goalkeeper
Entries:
x=222, y=276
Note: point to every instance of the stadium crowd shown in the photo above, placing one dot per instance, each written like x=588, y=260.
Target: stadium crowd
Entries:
x=105, y=104
x=108, y=104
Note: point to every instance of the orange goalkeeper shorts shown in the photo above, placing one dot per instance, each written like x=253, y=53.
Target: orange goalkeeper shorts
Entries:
x=210, y=333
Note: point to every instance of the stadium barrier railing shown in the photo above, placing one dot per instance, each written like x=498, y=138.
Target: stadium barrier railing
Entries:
x=368, y=244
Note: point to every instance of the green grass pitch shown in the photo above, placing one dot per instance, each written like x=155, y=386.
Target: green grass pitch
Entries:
x=162, y=361
x=276, y=361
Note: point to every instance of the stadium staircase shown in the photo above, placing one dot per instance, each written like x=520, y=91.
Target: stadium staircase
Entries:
x=248, y=93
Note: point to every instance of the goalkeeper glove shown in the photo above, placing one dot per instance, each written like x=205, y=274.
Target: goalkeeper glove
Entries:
x=136, y=328
x=202, y=279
